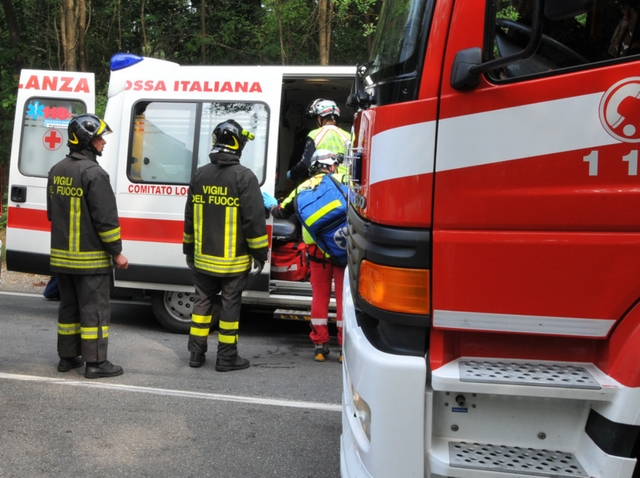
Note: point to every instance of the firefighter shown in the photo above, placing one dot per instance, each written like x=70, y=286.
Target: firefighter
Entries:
x=323, y=271
x=326, y=136
x=85, y=241
x=225, y=234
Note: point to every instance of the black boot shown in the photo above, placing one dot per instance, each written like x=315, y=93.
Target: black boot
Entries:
x=67, y=364
x=196, y=359
x=102, y=369
x=229, y=365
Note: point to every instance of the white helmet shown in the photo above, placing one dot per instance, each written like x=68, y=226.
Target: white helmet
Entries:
x=322, y=159
x=322, y=107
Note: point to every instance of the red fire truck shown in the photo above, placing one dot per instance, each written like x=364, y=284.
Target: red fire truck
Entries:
x=492, y=318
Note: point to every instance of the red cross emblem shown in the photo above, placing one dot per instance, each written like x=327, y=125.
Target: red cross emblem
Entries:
x=52, y=140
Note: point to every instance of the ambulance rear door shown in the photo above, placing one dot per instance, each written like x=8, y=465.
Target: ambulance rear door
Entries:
x=45, y=103
x=164, y=116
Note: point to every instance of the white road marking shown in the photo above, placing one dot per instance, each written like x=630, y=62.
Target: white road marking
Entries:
x=175, y=393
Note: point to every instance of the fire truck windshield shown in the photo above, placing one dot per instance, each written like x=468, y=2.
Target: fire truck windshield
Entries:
x=396, y=49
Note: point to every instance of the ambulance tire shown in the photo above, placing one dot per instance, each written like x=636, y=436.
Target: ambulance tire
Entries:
x=173, y=310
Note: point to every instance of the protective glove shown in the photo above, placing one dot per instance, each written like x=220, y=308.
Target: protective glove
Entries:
x=269, y=200
x=190, y=261
x=256, y=268
x=288, y=174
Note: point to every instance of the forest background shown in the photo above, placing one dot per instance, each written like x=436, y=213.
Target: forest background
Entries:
x=82, y=35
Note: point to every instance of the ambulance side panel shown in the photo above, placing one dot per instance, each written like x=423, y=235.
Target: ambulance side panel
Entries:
x=164, y=117
x=45, y=103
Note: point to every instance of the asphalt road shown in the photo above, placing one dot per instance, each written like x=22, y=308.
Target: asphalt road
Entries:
x=279, y=418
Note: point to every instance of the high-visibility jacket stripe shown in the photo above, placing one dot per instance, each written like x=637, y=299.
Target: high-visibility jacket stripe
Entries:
x=187, y=238
x=258, y=242
x=80, y=255
x=110, y=236
x=69, y=329
x=230, y=233
x=74, y=224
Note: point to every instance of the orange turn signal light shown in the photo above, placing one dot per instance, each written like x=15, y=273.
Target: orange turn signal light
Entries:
x=395, y=289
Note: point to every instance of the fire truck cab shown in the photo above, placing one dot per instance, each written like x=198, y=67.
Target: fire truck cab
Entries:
x=492, y=317
x=162, y=116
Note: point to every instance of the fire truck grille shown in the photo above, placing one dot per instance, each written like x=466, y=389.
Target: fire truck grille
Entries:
x=526, y=461
x=538, y=374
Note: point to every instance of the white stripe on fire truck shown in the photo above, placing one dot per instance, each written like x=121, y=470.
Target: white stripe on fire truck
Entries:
x=526, y=131
x=489, y=137
x=533, y=324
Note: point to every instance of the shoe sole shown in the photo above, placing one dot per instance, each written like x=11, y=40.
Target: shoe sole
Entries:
x=103, y=375
x=320, y=358
x=195, y=364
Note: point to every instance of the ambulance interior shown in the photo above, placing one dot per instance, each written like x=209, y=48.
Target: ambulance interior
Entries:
x=297, y=94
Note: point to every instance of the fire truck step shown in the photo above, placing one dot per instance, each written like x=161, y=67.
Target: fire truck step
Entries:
x=537, y=374
x=513, y=459
x=298, y=315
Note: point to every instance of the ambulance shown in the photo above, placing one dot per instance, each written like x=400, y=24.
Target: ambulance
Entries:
x=162, y=115
x=492, y=305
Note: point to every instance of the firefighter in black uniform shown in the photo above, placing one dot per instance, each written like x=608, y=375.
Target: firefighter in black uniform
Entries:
x=85, y=239
x=225, y=234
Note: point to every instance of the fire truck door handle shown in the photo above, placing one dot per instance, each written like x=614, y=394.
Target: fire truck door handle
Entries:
x=19, y=193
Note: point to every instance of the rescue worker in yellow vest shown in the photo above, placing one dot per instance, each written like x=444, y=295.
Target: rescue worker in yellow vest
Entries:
x=225, y=233
x=85, y=242
x=323, y=271
x=327, y=136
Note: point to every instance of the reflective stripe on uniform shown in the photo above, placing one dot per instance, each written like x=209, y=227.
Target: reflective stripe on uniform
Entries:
x=323, y=211
x=229, y=325
x=201, y=319
x=199, y=331
x=110, y=236
x=228, y=339
x=74, y=223
x=91, y=333
x=69, y=329
x=258, y=242
x=319, y=321
x=230, y=231
x=80, y=260
x=187, y=238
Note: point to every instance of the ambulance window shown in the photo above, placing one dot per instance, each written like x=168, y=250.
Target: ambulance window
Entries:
x=170, y=140
x=162, y=142
x=44, y=133
x=608, y=32
x=254, y=117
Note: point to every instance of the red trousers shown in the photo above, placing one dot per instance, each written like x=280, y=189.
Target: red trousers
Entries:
x=322, y=274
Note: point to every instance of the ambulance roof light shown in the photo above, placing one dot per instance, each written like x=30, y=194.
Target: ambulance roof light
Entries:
x=124, y=60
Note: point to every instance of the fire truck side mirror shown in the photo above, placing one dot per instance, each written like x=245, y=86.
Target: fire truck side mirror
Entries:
x=461, y=76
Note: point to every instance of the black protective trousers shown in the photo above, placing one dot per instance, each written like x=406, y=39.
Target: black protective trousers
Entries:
x=230, y=289
x=84, y=316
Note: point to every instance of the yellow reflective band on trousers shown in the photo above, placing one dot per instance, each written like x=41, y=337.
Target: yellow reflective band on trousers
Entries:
x=229, y=325
x=322, y=211
x=91, y=333
x=228, y=339
x=258, y=242
x=200, y=325
x=68, y=329
x=110, y=236
x=229, y=263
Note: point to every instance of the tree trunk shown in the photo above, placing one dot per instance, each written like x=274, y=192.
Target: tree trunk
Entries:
x=144, y=32
x=283, y=53
x=324, y=30
x=14, y=31
x=82, y=29
x=203, y=32
x=69, y=35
